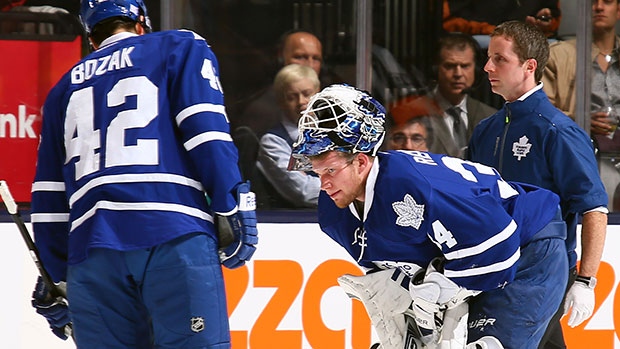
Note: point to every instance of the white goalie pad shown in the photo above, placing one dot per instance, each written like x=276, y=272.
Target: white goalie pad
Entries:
x=386, y=298
x=430, y=313
x=454, y=331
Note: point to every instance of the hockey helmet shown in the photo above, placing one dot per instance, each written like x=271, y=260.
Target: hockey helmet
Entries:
x=341, y=118
x=95, y=11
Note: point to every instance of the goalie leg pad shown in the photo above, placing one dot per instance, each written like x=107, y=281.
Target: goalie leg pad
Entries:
x=386, y=298
x=454, y=331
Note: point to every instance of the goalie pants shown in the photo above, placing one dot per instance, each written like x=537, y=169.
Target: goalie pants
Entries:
x=168, y=296
x=519, y=313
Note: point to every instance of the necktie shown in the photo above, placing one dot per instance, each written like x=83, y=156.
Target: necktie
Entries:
x=459, y=127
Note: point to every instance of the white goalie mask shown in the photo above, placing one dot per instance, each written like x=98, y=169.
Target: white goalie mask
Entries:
x=341, y=118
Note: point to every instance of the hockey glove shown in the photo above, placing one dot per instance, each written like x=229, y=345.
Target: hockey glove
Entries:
x=580, y=297
x=237, y=232
x=55, y=310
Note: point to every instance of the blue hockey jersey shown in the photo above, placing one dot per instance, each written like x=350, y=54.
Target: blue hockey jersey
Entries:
x=531, y=141
x=133, y=136
x=419, y=206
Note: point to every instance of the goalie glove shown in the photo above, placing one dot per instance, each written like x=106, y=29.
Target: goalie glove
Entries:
x=53, y=309
x=237, y=232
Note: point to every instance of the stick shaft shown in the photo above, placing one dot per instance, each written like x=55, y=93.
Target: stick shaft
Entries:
x=32, y=248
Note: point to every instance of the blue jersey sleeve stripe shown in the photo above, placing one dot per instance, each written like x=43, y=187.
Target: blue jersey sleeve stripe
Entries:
x=207, y=137
x=199, y=108
x=48, y=186
x=485, y=245
x=49, y=217
x=135, y=178
x=225, y=214
x=486, y=269
x=140, y=206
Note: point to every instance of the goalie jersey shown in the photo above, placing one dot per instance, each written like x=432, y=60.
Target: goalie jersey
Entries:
x=420, y=205
x=129, y=116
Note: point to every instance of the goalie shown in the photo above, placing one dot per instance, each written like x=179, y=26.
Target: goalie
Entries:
x=501, y=243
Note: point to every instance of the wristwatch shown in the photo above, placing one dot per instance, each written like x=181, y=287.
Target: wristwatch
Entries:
x=590, y=281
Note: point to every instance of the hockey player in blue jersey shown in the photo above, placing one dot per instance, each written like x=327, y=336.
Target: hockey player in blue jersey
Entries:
x=501, y=244
x=133, y=137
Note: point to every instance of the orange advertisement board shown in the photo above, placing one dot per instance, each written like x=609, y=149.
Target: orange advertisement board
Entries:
x=287, y=296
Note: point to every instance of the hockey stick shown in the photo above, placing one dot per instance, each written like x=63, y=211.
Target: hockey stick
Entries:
x=54, y=290
x=11, y=206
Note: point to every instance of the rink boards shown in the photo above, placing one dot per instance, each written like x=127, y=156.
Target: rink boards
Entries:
x=287, y=295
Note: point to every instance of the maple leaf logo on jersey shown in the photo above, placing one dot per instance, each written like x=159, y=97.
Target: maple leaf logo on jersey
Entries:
x=520, y=149
x=409, y=212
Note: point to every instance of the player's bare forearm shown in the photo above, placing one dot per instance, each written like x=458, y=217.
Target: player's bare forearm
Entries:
x=593, y=232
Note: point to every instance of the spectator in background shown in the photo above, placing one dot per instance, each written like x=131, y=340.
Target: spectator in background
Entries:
x=531, y=141
x=298, y=47
x=454, y=113
x=481, y=16
x=456, y=77
x=409, y=126
x=559, y=84
x=415, y=133
x=293, y=86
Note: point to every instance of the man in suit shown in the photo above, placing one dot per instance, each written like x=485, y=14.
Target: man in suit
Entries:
x=458, y=113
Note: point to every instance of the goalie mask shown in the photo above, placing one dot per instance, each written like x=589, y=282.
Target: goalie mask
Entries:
x=341, y=118
x=95, y=11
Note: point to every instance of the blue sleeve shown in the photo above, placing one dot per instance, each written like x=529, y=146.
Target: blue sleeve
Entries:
x=479, y=240
x=197, y=102
x=578, y=181
x=50, y=208
x=469, y=217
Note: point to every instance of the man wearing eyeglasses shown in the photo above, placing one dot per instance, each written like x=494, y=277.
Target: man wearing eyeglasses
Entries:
x=409, y=124
x=414, y=134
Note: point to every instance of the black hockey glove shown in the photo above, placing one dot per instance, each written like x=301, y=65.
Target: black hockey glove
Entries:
x=237, y=233
x=55, y=310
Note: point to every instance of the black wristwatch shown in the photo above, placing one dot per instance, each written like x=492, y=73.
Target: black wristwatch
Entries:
x=590, y=281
